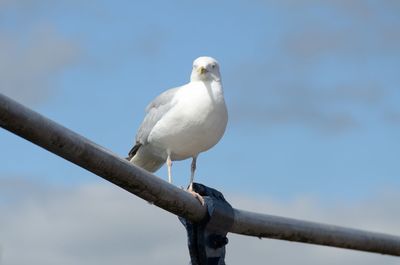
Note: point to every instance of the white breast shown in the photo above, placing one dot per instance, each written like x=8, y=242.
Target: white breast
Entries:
x=195, y=124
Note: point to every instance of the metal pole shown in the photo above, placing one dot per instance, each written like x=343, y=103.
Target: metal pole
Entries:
x=269, y=226
x=73, y=147
x=61, y=141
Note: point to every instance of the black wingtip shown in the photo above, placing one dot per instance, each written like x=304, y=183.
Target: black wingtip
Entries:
x=133, y=151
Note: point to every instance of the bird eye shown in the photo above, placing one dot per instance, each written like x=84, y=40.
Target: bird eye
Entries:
x=213, y=66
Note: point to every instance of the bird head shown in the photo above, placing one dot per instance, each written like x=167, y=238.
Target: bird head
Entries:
x=205, y=69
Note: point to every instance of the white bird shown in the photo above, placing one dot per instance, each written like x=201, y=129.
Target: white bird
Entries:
x=182, y=122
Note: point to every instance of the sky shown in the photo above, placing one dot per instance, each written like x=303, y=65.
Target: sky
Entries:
x=312, y=90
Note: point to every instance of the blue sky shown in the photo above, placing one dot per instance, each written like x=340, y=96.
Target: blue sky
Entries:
x=312, y=89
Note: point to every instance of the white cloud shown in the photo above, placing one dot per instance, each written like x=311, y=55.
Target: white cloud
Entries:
x=101, y=224
x=93, y=224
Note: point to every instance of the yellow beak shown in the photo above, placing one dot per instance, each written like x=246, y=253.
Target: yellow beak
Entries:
x=202, y=70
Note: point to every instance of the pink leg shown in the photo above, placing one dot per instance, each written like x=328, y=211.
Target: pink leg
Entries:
x=190, y=189
x=169, y=165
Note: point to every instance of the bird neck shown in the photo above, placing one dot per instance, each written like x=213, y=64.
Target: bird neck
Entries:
x=209, y=84
x=207, y=78
x=214, y=89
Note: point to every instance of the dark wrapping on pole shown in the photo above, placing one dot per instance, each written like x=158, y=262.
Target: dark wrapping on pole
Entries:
x=207, y=238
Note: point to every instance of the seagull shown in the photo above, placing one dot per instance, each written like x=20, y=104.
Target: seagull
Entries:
x=183, y=122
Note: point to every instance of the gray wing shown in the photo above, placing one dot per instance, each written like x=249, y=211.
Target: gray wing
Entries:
x=154, y=112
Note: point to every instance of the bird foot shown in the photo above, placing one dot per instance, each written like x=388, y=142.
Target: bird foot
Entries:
x=196, y=195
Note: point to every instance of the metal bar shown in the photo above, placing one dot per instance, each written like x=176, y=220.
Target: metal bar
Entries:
x=59, y=140
x=73, y=147
x=269, y=226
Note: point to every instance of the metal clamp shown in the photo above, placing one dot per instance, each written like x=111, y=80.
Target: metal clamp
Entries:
x=207, y=238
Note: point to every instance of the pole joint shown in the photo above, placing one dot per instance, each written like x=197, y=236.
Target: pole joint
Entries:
x=207, y=238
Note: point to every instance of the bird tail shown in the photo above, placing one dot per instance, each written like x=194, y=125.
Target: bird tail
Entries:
x=139, y=157
x=133, y=151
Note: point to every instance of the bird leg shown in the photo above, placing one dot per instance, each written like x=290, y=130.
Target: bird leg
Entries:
x=169, y=165
x=192, y=170
x=190, y=189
